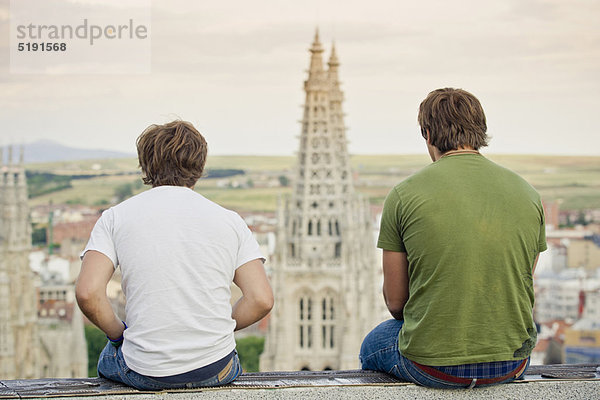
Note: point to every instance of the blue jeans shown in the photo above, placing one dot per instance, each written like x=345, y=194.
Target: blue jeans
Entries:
x=111, y=365
x=379, y=352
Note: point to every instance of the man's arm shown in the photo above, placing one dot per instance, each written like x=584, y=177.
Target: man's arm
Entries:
x=395, y=282
x=90, y=291
x=535, y=263
x=257, y=296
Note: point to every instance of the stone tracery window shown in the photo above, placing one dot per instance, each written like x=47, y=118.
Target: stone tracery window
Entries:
x=338, y=250
x=305, y=322
x=328, y=322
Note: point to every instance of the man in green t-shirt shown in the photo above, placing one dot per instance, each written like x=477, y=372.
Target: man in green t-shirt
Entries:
x=460, y=241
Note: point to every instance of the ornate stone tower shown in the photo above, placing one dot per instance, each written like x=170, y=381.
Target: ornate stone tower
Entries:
x=324, y=271
x=19, y=342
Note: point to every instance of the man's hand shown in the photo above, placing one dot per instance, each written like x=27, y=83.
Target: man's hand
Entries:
x=395, y=282
x=90, y=291
x=257, y=296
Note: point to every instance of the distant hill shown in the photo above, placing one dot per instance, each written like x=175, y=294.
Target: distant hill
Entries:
x=50, y=151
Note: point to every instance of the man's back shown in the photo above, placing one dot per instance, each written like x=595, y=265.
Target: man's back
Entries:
x=460, y=240
x=178, y=252
x=471, y=230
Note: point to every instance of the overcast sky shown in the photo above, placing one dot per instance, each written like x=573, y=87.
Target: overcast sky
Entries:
x=236, y=68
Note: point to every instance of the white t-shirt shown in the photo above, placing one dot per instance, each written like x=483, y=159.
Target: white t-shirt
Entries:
x=178, y=253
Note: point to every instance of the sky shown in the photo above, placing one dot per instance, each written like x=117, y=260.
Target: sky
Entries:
x=235, y=69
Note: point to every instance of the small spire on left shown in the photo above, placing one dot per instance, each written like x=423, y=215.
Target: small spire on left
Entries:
x=316, y=41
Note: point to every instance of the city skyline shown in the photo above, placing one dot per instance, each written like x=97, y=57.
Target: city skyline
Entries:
x=231, y=69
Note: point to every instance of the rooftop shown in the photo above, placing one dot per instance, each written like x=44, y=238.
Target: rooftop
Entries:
x=581, y=381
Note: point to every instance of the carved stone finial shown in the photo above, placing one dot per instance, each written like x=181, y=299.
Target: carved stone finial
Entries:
x=316, y=45
x=333, y=59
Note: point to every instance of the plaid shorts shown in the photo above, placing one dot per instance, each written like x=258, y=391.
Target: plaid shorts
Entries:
x=480, y=370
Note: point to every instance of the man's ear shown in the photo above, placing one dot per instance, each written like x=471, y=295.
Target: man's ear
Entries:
x=428, y=136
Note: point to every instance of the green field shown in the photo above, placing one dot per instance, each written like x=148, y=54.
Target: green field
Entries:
x=574, y=181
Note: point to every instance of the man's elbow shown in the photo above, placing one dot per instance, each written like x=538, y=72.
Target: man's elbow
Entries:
x=85, y=295
x=262, y=302
x=81, y=291
x=396, y=308
x=82, y=294
x=397, y=313
x=265, y=302
x=83, y=299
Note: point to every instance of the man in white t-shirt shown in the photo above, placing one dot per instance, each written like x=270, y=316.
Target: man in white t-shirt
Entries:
x=178, y=253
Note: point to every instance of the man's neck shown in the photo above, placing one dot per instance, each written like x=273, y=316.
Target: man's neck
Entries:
x=436, y=154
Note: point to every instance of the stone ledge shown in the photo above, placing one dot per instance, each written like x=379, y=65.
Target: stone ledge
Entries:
x=580, y=381
x=541, y=390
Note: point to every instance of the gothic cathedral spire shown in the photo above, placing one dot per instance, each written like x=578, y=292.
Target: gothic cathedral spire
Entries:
x=324, y=271
x=19, y=341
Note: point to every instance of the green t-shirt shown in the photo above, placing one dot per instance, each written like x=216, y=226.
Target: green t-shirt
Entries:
x=471, y=230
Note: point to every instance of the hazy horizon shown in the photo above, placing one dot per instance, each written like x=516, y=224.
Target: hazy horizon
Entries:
x=424, y=153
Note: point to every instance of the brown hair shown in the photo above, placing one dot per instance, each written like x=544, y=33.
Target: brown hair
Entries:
x=454, y=118
x=171, y=154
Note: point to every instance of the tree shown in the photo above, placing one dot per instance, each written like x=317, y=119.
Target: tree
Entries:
x=123, y=191
x=283, y=180
x=96, y=340
x=249, y=349
x=39, y=236
x=581, y=220
x=138, y=184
